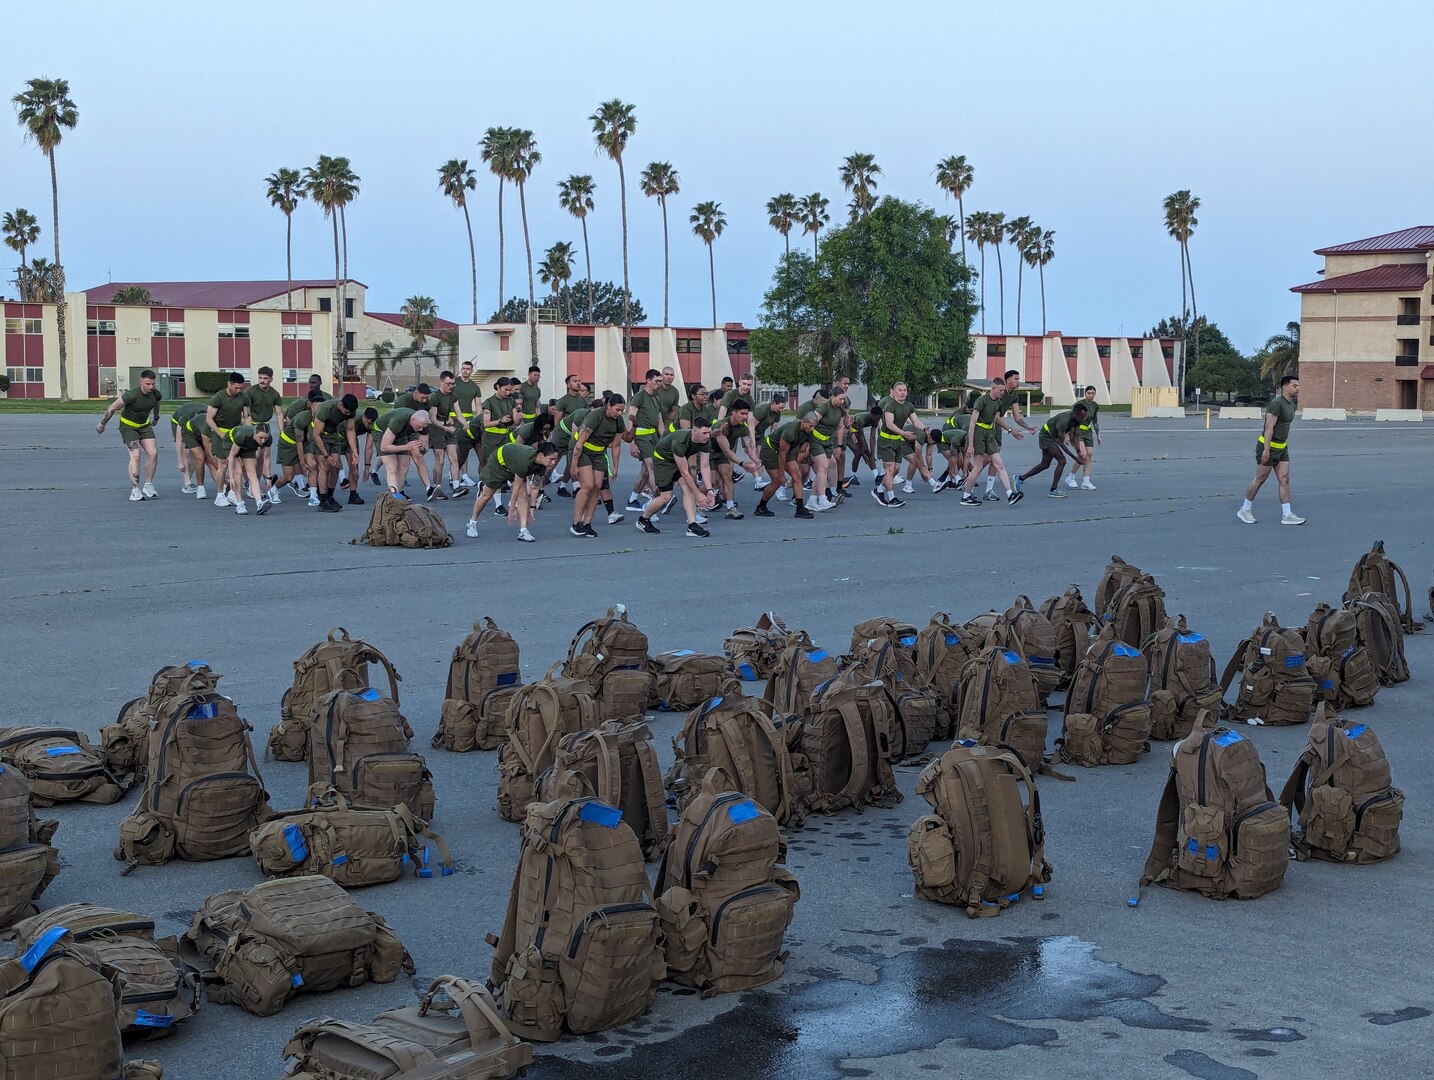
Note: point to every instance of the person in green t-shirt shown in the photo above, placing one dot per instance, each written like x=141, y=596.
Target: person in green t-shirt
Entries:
x=1272, y=453
x=416, y=399
x=671, y=468
x=529, y=394
x=733, y=436
x=644, y=418
x=441, y=431
x=1058, y=436
x=861, y=438
x=467, y=392
x=295, y=453
x=335, y=438
x=782, y=448
x=591, y=460
x=896, y=443
x=500, y=415
x=985, y=447
x=742, y=390
x=190, y=445
x=245, y=443
x=512, y=465
x=1088, y=433
x=576, y=396
x=262, y=402
x=138, y=409
x=826, y=442
x=401, y=443
x=226, y=411
x=954, y=439
x=698, y=404
x=669, y=396
x=765, y=414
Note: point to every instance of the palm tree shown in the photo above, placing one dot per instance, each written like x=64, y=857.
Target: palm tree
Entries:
x=954, y=175
x=659, y=180
x=614, y=123
x=523, y=158
x=782, y=215
x=858, y=175
x=38, y=283
x=708, y=221
x=322, y=184
x=378, y=363
x=1180, y=222
x=456, y=180
x=812, y=211
x=977, y=227
x=20, y=230
x=995, y=236
x=575, y=195
x=132, y=294
x=1281, y=354
x=418, y=313
x=950, y=228
x=1039, y=250
x=556, y=270
x=347, y=189
x=1018, y=231
x=495, y=151
x=46, y=112
x=285, y=187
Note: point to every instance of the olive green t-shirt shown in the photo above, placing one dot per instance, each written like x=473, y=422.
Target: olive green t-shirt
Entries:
x=466, y=393
x=829, y=418
x=440, y=406
x=262, y=403
x=1283, y=410
x=189, y=409
x=649, y=412
x=678, y=443
x=987, y=410
x=571, y=403
x=733, y=433
x=531, y=397
x=691, y=412
x=399, y=422
x=791, y=433
x=228, y=409
x=294, y=408
x=1057, y=426
x=567, y=427
x=764, y=416
x=667, y=398
x=900, y=410
x=604, y=428
x=303, y=426
x=732, y=395
x=243, y=437
x=139, y=406
x=408, y=401
x=500, y=413
x=332, y=421
x=516, y=460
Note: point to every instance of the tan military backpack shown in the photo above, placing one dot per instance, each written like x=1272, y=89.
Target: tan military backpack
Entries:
x=942, y=652
x=1074, y=625
x=1134, y=612
x=1118, y=574
x=483, y=676
x=1112, y=679
x=453, y=1033
x=359, y=745
x=848, y=743
x=1000, y=706
x=60, y=764
x=57, y=1015
x=1031, y=634
x=541, y=713
x=1346, y=809
x=339, y=662
x=1182, y=679
x=901, y=635
x=125, y=743
x=685, y=679
x=1377, y=619
x=1376, y=572
x=1343, y=669
x=724, y=897
x=28, y=863
x=1274, y=685
x=611, y=654
x=1219, y=830
x=983, y=847
x=799, y=670
x=920, y=716
x=401, y=522
x=753, y=651
x=581, y=946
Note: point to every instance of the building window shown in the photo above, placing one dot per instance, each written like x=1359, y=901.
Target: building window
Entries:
x=26, y=374
x=325, y=304
x=101, y=327
x=737, y=345
x=684, y=344
x=1103, y=351
x=297, y=333
x=1168, y=351
x=642, y=344
x=349, y=341
x=505, y=342
x=166, y=329
x=239, y=331
x=1070, y=351
x=1137, y=351
x=1408, y=311
x=348, y=309
x=581, y=343
x=24, y=326
x=995, y=348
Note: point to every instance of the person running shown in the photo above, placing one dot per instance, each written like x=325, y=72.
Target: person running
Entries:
x=984, y=447
x=1058, y=437
x=896, y=443
x=334, y=438
x=672, y=467
x=245, y=443
x=441, y=434
x=263, y=401
x=225, y=413
x=400, y=435
x=529, y=395
x=781, y=448
x=1272, y=453
x=669, y=397
x=138, y=409
x=733, y=437
x=1009, y=404
x=591, y=460
x=467, y=392
x=831, y=415
x=1089, y=432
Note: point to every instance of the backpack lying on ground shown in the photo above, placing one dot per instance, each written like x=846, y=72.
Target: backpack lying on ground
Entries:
x=57, y=1015
x=466, y=726
x=942, y=653
x=848, y=743
x=1274, y=686
x=482, y=678
x=1107, y=716
x=1380, y=632
x=203, y=792
x=27, y=861
x=1346, y=809
x=259, y=947
x=541, y=713
x=984, y=845
x=352, y=845
x=799, y=670
x=581, y=946
x=752, y=745
x=1118, y=739
x=611, y=654
x=401, y=522
x=453, y=1033
x=1376, y=572
x=1031, y=634
x=60, y=764
x=724, y=900
x=339, y=662
x=1000, y=706
x=1342, y=668
x=1136, y=610
x=125, y=743
x=685, y=679
x=1182, y=679
x=1074, y=625
x=359, y=746
x=615, y=762
x=752, y=651
x=919, y=714
x=1218, y=831
x=154, y=989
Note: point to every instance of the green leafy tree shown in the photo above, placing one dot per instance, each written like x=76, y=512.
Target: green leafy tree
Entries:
x=607, y=309
x=39, y=283
x=378, y=362
x=614, y=123
x=660, y=180
x=418, y=313
x=1281, y=354
x=955, y=175
x=285, y=189
x=1226, y=373
x=456, y=180
x=20, y=230
x=1201, y=336
x=708, y=222
x=575, y=195
x=792, y=343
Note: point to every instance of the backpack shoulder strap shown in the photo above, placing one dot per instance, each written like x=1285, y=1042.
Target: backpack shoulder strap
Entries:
x=475, y=1005
x=652, y=790
x=1167, y=818
x=1236, y=662
x=856, y=738
x=975, y=787
x=403, y=1054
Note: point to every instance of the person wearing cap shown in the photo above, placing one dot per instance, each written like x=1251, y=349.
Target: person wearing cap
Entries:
x=138, y=409
x=512, y=465
x=335, y=438
x=466, y=393
x=245, y=442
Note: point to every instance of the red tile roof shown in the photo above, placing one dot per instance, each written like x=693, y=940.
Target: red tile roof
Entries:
x=1390, y=277
x=211, y=294
x=1416, y=238
x=396, y=318
x=1428, y=372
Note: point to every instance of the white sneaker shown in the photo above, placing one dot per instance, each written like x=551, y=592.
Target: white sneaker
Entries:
x=134, y=495
x=821, y=502
x=472, y=531
x=1247, y=516
x=466, y=480
x=936, y=485
x=760, y=482
x=200, y=493
x=273, y=496
x=221, y=499
x=1086, y=485
x=149, y=492
x=1072, y=482
x=188, y=489
x=907, y=489
x=615, y=517
x=701, y=519
x=1292, y=519
x=313, y=497
x=525, y=536
x=784, y=493
x=240, y=508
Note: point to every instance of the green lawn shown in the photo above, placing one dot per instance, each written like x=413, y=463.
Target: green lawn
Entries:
x=96, y=406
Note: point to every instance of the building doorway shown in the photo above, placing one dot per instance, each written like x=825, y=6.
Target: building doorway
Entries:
x=1407, y=396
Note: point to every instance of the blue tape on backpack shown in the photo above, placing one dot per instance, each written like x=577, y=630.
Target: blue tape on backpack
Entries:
x=909, y=640
x=368, y=695
x=1122, y=649
x=816, y=655
x=1041, y=661
x=1345, y=655
x=152, y=1020
x=61, y=751
x=196, y=663
x=1011, y=656
x=747, y=672
x=508, y=678
x=600, y=814
x=339, y=860
x=1229, y=738
x=296, y=980
x=715, y=702
x=1190, y=638
x=1326, y=684
x=952, y=639
x=1294, y=661
x=1211, y=852
x=965, y=742
x=683, y=652
x=206, y=710
x=1356, y=732
x=294, y=837
x=36, y=952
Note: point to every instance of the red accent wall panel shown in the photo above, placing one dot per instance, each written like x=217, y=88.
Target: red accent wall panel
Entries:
x=689, y=368
x=582, y=365
x=107, y=312
x=1105, y=368
x=34, y=311
x=159, y=351
x=176, y=352
x=226, y=353
x=14, y=349
x=305, y=358
x=1034, y=357
x=241, y=353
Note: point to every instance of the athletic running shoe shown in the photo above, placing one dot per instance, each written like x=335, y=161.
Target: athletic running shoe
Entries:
x=895, y=503
x=398, y=494
x=701, y=518
x=970, y=500
x=589, y=531
x=762, y=511
x=240, y=508
x=355, y=499
x=273, y=496
x=344, y=483
x=525, y=536
x=314, y=499
x=759, y=482
x=188, y=489
x=645, y=526
x=1017, y=483
x=784, y=493
x=635, y=502
x=434, y=493
x=1055, y=493
x=818, y=504
x=373, y=478
x=991, y=496
x=733, y=514
x=738, y=475
x=851, y=482
x=1292, y=519
x=1072, y=482
x=670, y=504
x=694, y=529
x=221, y=499
x=296, y=489
x=1014, y=497
x=807, y=484
x=543, y=499
x=907, y=489
x=937, y=486
x=564, y=492
x=1086, y=485
x=803, y=512
x=135, y=495
x=614, y=518
x=459, y=492
x=265, y=506
x=498, y=510
x=1247, y=516
x=466, y=481
x=878, y=495
x=329, y=506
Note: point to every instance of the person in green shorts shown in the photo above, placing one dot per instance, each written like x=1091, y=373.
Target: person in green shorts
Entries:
x=335, y=439
x=294, y=453
x=699, y=404
x=306, y=432
x=765, y=414
x=669, y=396
x=1089, y=433
x=138, y=409
x=401, y=443
x=826, y=436
x=466, y=392
x=530, y=395
x=575, y=397
x=861, y=437
x=1009, y=405
x=591, y=461
x=511, y=466
x=192, y=445
x=500, y=416
x=781, y=450
x=895, y=444
x=671, y=468
x=441, y=432
x=984, y=447
x=245, y=443
x=226, y=412
x=300, y=484
x=181, y=455
x=954, y=437
x=735, y=447
x=1272, y=453
x=644, y=418
x=1059, y=436
x=262, y=401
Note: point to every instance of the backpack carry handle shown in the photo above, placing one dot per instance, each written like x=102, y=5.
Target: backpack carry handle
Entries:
x=343, y=634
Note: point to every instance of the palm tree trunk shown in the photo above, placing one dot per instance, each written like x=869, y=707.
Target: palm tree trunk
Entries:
x=787, y=240
x=961, y=209
x=1184, y=326
x=338, y=371
x=814, y=244
x=1042, y=267
x=532, y=297
x=626, y=289
x=472, y=258
x=344, y=284
x=500, y=244
x=1020, y=270
x=59, y=282
x=666, y=274
x=1001, y=276
x=1194, y=309
x=981, y=250
x=588, y=261
x=289, y=257
x=712, y=275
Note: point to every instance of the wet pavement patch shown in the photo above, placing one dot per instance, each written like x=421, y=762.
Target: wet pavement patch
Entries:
x=1409, y=1012
x=1274, y=1035
x=975, y=995
x=1207, y=1068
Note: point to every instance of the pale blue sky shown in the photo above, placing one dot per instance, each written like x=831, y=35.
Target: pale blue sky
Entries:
x=1297, y=124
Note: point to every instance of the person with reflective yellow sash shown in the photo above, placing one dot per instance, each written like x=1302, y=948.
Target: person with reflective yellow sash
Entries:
x=442, y=433
x=138, y=409
x=781, y=453
x=295, y=452
x=1272, y=453
x=512, y=465
x=1059, y=436
x=895, y=443
x=644, y=417
x=225, y=413
x=245, y=443
x=984, y=445
x=591, y=461
x=1089, y=432
x=575, y=397
x=466, y=391
x=500, y=416
x=672, y=467
x=530, y=395
x=733, y=436
x=824, y=447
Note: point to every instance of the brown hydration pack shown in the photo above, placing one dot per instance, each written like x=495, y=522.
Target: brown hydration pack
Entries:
x=1343, y=669
x=28, y=863
x=920, y=716
x=1000, y=706
x=611, y=654
x=482, y=678
x=1346, y=809
x=983, y=847
x=799, y=670
x=1380, y=632
x=453, y=1033
x=751, y=745
x=1274, y=686
x=1219, y=830
x=1118, y=739
x=724, y=897
x=352, y=845
x=541, y=713
x=901, y=635
x=1030, y=633
x=581, y=946
x=1117, y=575
x=60, y=764
x=1074, y=625
x=685, y=679
x=1136, y=611
x=402, y=522
x=465, y=726
x=615, y=762
x=57, y=1015
x=339, y=662
x=753, y=651
x=125, y=743
x=203, y=792
x=154, y=989
x=1376, y=572
x=1110, y=685
x=1182, y=679
x=359, y=746
x=848, y=743
x=942, y=652
x=261, y=946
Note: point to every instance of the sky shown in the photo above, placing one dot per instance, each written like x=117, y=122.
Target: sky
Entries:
x=1296, y=124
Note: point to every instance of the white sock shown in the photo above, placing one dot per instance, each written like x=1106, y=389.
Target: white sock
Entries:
x=1285, y=509
x=990, y=484
x=1248, y=505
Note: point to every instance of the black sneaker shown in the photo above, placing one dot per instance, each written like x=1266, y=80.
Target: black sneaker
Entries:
x=970, y=500
x=850, y=482
x=590, y=531
x=459, y=492
x=498, y=511
x=564, y=492
x=578, y=530
x=436, y=493
x=543, y=499
x=329, y=506
x=265, y=506
x=803, y=512
x=762, y=511
x=895, y=503
x=645, y=526
x=1015, y=497
x=878, y=495
x=694, y=529
x=355, y=499
x=344, y=483
x=373, y=478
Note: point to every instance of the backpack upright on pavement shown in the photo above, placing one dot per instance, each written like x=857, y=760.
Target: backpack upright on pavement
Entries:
x=724, y=898
x=1376, y=572
x=482, y=678
x=1274, y=686
x=1109, y=687
x=753, y=650
x=57, y=1015
x=942, y=652
x=848, y=743
x=1219, y=830
x=1377, y=619
x=999, y=705
x=919, y=713
x=60, y=764
x=339, y=662
x=401, y=522
x=1031, y=634
x=1346, y=809
x=611, y=654
x=359, y=746
x=1074, y=625
x=1343, y=669
x=581, y=945
x=799, y=670
x=541, y=713
x=1182, y=679
x=685, y=679
x=983, y=846
x=27, y=861
x=125, y=743
x=901, y=635
x=1136, y=610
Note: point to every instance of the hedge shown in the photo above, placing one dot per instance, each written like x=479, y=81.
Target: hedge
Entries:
x=4, y=383
x=210, y=382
